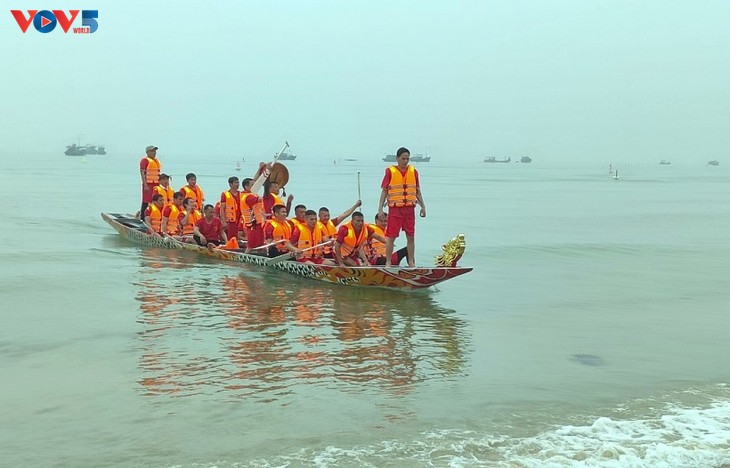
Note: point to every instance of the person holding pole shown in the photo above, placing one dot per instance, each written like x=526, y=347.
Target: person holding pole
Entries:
x=401, y=189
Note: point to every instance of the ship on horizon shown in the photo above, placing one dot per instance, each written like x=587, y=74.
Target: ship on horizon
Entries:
x=78, y=150
x=414, y=158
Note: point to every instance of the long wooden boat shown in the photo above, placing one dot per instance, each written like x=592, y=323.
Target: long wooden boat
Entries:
x=133, y=229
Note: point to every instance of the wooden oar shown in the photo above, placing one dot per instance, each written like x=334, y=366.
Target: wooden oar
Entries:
x=286, y=256
x=358, y=186
x=259, y=182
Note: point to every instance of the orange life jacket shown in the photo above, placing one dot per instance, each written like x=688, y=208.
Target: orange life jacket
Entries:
x=281, y=232
x=152, y=174
x=196, y=194
x=328, y=230
x=308, y=239
x=173, y=222
x=402, y=190
x=155, y=218
x=352, y=241
x=375, y=247
x=192, y=219
x=232, y=215
x=165, y=192
x=249, y=214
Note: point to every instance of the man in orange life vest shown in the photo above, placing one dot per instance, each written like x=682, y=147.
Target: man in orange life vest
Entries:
x=329, y=225
x=402, y=191
x=230, y=211
x=279, y=230
x=193, y=190
x=190, y=216
x=299, y=217
x=164, y=188
x=351, y=238
x=252, y=216
x=376, y=249
x=149, y=169
x=153, y=214
x=307, y=235
x=171, y=216
x=271, y=198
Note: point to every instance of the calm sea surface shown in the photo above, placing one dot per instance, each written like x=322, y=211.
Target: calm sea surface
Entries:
x=593, y=330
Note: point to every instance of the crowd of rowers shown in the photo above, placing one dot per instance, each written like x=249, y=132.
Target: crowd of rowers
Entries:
x=262, y=224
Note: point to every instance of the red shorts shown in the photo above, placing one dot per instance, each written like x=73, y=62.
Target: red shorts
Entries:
x=232, y=229
x=147, y=194
x=254, y=237
x=401, y=218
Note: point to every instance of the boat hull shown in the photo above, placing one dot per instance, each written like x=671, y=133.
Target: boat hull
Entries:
x=404, y=279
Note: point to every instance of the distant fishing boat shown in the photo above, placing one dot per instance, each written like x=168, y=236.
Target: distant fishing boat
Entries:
x=414, y=158
x=492, y=159
x=664, y=163
x=615, y=175
x=238, y=165
x=525, y=159
x=287, y=157
x=78, y=150
x=714, y=162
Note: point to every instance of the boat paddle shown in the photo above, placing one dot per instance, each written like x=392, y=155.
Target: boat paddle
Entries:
x=288, y=255
x=259, y=182
x=358, y=186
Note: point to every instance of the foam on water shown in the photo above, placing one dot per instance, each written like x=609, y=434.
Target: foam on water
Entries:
x=674, y=436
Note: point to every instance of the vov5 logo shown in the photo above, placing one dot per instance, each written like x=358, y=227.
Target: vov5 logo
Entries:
x=45, y=21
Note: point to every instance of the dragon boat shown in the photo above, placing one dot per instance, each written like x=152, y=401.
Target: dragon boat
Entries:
x=398, y=278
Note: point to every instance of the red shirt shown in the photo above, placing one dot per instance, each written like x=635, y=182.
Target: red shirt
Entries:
x=386, y=179
x=212, y=230
x=295, y=233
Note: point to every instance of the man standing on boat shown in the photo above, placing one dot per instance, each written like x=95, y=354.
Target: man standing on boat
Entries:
x=252, y=216
x=164, y=188
x=402, y=191
x=193, y=190
x=230, y=210
x=149, y=170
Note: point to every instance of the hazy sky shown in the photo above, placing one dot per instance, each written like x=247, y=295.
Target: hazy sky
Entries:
x=603, y=80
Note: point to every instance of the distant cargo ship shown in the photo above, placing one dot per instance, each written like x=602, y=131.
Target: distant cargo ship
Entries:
x=78, y=150
x=414, y=158
x=492, y=159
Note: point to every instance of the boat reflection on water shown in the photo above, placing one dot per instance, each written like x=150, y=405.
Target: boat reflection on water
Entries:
x=205, y=330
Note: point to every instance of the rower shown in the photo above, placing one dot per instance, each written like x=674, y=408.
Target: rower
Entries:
x=351, y=238
x=171, y=215
x=307, y=237
x=153, y=214
x=376, y=249
x=279, y=230
x=329, y=225
x=299, y=216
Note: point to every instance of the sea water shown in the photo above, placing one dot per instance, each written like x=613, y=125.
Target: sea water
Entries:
x=592, y=331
